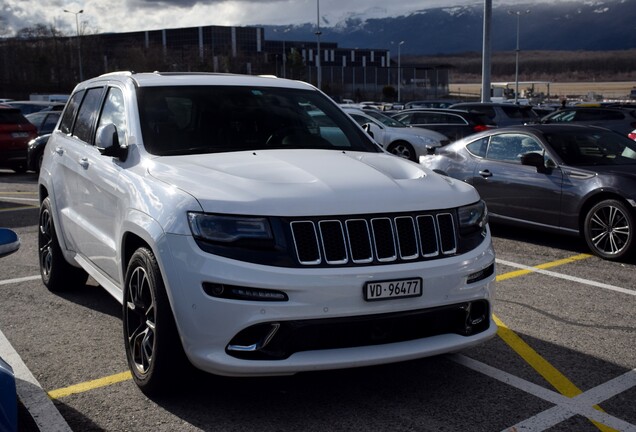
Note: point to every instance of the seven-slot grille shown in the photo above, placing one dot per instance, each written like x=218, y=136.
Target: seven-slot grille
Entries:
x=386, y=239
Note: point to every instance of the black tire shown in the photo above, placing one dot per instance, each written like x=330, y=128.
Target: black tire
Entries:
x=57, y=274
x=403, y=150
x=153, y=348
x=609, y=229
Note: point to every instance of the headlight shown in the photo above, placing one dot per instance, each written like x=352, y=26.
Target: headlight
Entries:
x=229, y=229
x=426, y=140
x=473, y=217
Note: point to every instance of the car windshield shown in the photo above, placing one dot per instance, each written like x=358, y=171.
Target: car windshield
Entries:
x=385, y=119
x=587, y=148
x=180, y=120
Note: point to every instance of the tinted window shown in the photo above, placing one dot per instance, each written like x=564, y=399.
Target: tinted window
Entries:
x=9, y=116
x=517, y=112
x=87, y=113
x=66, y=125
x=486, y=110
x=198, y=119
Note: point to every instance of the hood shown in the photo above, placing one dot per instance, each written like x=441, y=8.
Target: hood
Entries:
x=309, y=182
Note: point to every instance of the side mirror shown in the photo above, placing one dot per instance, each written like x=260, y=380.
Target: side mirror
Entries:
x=367, y=129
x=107, y=142
x=9, y=242
x=534, y=159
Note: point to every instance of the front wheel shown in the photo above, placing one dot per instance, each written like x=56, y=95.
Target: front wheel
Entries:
x=57, y=274
x=609, y=229
x=403, y=150
x=153, y=348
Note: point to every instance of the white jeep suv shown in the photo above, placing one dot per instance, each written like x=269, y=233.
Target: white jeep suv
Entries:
x=248, y=226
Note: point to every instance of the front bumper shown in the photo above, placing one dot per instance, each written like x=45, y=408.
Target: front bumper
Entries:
x=321, y=303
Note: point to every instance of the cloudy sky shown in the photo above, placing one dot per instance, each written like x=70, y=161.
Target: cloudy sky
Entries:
x=134, y=15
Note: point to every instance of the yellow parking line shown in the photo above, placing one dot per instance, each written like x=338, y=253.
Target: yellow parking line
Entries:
x=530, y=356
x=89, y=385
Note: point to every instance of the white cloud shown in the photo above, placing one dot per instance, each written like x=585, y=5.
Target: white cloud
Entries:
x=134, y=15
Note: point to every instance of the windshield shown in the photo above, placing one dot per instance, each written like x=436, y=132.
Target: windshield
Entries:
x=181, y=120
x=385, y=119
x=587, y=148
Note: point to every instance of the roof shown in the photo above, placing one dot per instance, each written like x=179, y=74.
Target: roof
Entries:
x=156, y=79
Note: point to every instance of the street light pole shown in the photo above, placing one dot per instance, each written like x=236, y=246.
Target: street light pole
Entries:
x=399, y=70
x=79, y=45
x=518, y=13
x=318, y=33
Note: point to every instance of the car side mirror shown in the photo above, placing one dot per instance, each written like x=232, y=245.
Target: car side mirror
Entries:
x=534, y=159
x=367, y=129
x=107, y=142
x=9, y=242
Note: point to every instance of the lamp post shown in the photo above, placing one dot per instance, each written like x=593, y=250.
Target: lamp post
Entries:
x=79, y=45
x=318, y=33
x=518, y=14
x=399, y=70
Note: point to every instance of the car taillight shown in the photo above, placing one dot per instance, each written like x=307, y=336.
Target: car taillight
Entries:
x=632, y=135
x=482, y=127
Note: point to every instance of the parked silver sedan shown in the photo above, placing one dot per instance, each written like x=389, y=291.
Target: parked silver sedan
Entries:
x=395, y=137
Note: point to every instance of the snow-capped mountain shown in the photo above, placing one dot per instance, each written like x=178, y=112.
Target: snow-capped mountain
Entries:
x=589, y=25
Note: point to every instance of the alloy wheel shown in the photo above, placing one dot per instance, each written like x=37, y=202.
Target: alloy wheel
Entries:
x=140, y=321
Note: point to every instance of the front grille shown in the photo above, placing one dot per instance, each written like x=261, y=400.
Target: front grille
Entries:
x=365, y=240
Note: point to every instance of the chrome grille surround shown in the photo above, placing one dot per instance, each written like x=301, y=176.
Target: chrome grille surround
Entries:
x=360, y=240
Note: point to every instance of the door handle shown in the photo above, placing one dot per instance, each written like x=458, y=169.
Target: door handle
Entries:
x=485, y=173
x=84, y=162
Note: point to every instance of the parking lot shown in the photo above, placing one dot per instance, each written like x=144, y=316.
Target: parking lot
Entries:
x=563, y=359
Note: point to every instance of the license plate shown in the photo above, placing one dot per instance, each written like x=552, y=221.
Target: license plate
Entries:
x=385, y=290
x=19, y=134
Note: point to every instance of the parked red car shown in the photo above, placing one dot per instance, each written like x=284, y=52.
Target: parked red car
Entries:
x=15, y=133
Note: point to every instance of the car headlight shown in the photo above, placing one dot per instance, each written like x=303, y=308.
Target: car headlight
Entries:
x=473, y=217
x=229, y=229
x=426, y=140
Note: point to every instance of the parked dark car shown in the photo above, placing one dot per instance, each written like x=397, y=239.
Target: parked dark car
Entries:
x=45, y=121
x=619, y=119
x=572, y=179
x=28, y=107
x=502, y=114
x=35, y=152
x=15, y=133
x=455, y=124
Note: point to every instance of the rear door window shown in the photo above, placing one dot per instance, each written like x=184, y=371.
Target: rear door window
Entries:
x=87, y=114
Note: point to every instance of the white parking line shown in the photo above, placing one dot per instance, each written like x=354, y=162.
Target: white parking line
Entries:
x=565, y=407
x=14, y=198
x=567, y=277
x=18, y=280
x=31, y=394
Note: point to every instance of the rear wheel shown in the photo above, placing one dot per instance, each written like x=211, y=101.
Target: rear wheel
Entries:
x=153, y=348
x=609, y=229
x=403, y=149
x=57, y=274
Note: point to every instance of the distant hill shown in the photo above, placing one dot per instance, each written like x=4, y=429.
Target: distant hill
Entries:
x=567, y=26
